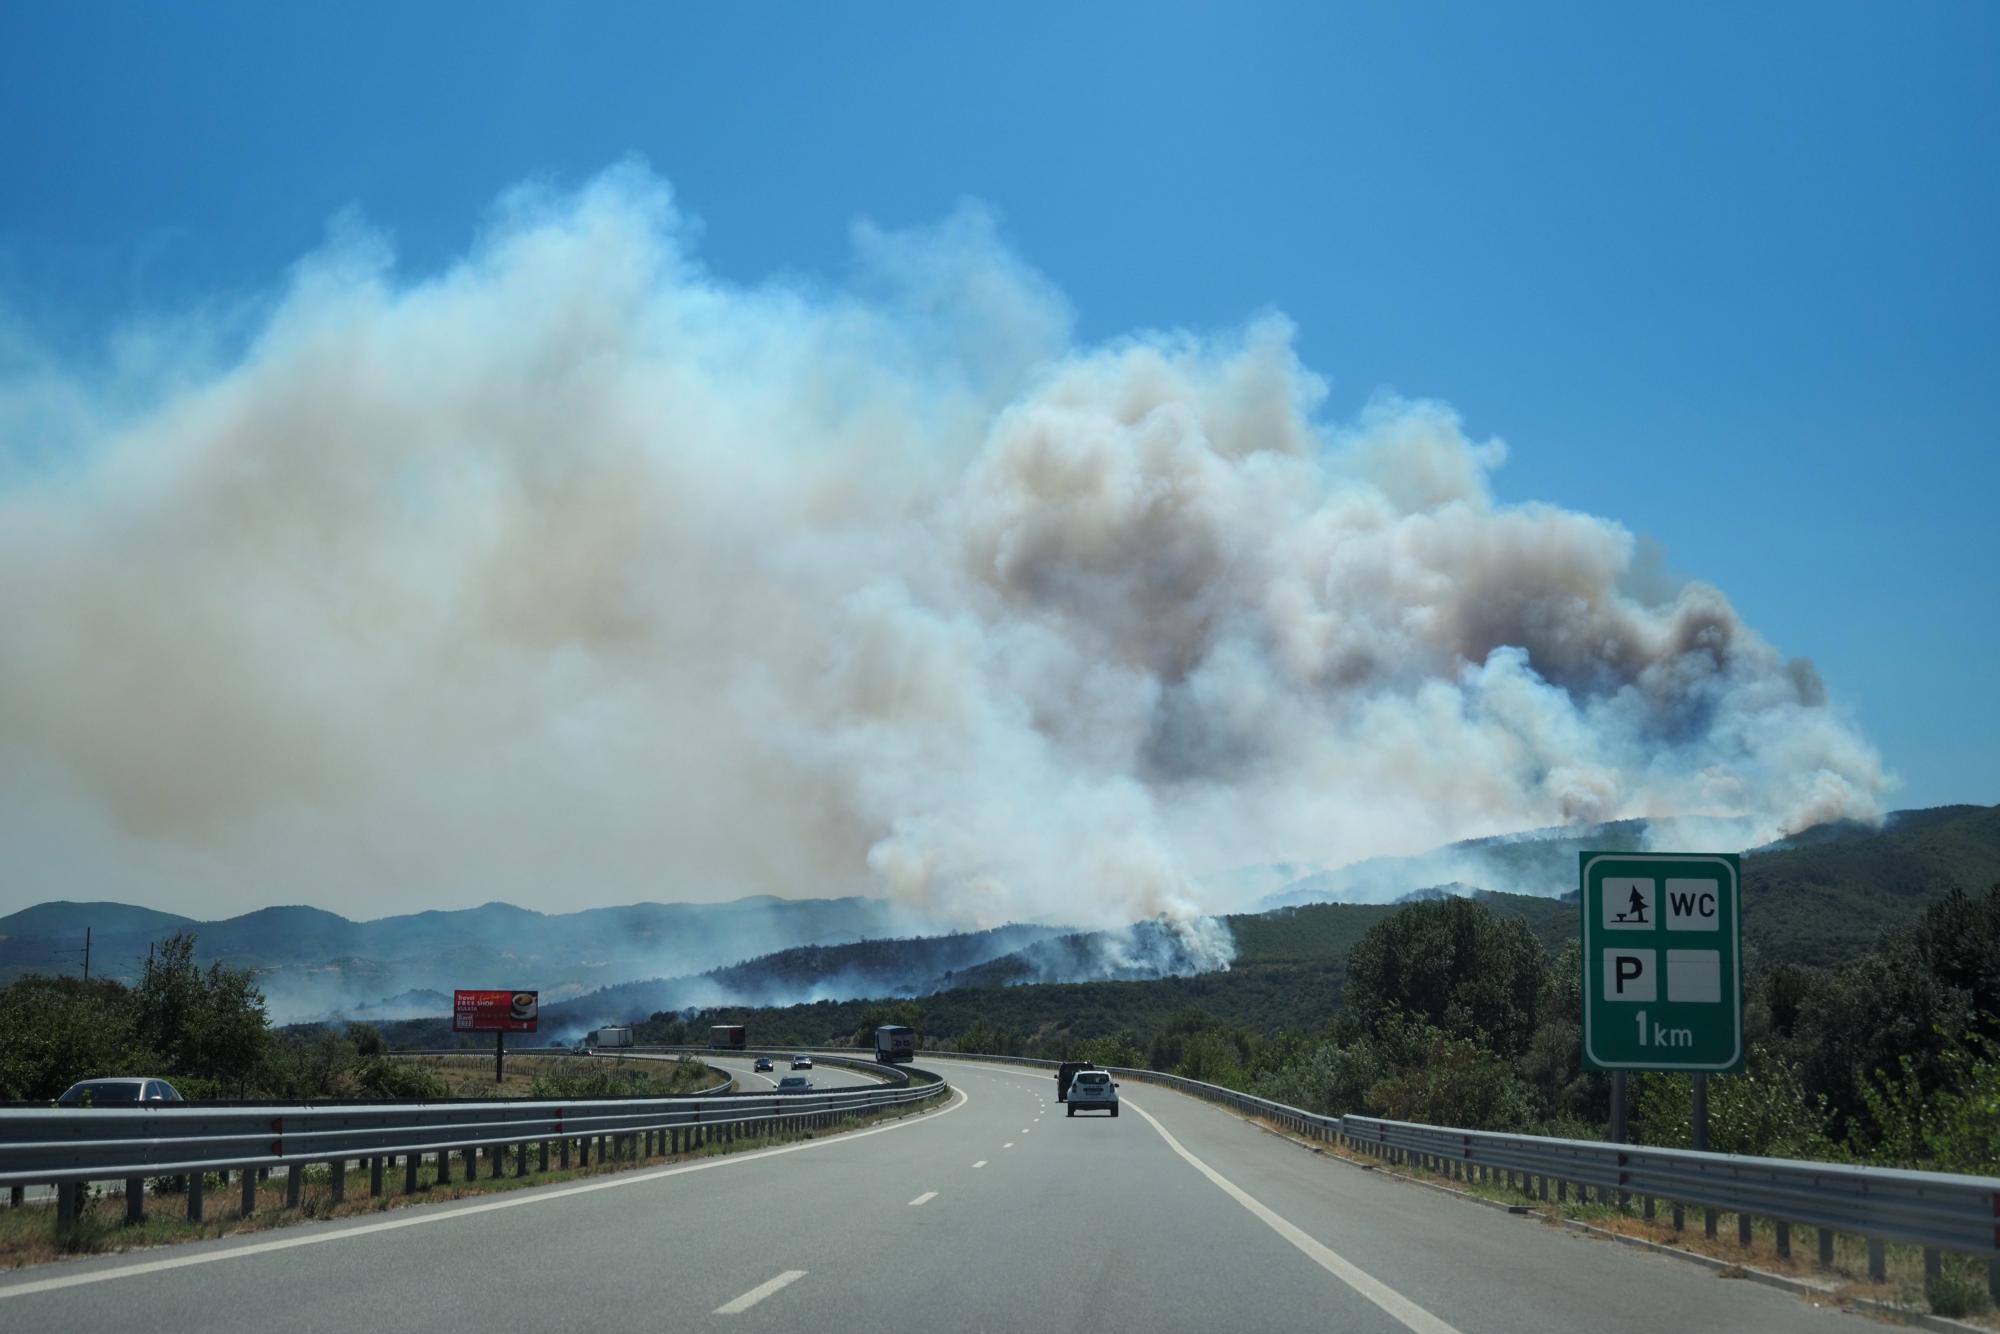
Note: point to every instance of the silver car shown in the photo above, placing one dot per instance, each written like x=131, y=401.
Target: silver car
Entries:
x=1093, y=1091
x=118, y=1093
x=794, y=1084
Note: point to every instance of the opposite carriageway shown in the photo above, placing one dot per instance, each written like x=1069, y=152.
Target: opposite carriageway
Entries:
x=69, y=1148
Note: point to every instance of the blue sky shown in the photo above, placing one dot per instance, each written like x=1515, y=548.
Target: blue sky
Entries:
x=1727, y=277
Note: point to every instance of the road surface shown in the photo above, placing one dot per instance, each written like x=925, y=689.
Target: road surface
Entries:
x=993, y=1213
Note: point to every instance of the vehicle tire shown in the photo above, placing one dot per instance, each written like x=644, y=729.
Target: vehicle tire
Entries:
x=1114, y=1113
x=1072, y=1111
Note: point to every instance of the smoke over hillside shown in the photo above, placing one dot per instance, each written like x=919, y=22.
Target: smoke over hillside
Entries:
x=574, y=574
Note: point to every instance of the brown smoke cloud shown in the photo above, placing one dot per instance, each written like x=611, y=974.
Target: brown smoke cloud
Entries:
x=575, y=575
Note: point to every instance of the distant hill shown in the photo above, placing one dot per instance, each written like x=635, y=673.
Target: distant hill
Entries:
x=1822, y=898
x=66, y=919
x=312, y=963
x=810, y=974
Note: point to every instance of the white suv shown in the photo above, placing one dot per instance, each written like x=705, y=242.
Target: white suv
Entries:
x=1093, y=1091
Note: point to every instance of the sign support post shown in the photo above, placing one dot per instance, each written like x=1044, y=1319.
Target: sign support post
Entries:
x=499, y=1056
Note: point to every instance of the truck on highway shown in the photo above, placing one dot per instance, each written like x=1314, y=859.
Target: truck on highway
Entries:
x=728, y=1037
x=894, y=1044
x=620, y=1036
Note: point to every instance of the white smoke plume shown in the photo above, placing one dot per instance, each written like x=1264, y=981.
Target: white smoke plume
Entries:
x=574, y=574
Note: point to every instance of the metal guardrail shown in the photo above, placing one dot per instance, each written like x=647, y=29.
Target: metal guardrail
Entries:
x=70, y=1147
x=1939, y=1211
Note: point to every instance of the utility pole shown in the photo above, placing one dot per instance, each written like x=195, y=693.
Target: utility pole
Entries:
x=86, y=954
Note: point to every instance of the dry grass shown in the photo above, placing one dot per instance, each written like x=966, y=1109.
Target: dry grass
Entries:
x=471, y=1076
x=31, y=1235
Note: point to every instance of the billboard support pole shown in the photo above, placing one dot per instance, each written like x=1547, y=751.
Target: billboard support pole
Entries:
x=499, y=1057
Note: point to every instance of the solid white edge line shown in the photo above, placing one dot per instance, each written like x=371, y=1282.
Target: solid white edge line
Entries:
x=760, y=1292
x=924, y=1198
x=514, y=1200
x=1406, y=1312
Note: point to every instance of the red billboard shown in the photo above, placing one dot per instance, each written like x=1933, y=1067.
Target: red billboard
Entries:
x=495, y=1011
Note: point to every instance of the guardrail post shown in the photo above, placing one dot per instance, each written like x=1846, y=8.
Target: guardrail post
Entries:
x=16, y=1196
x=1878, y=1266
x=542, y=1159
x=339, y=1180
x=562, y=1153
x=1826, y=1248
x=135, y=1199
x=1708, y=1223
x=1646, y=1204
x=1993, y=1279
x=496, y=1160
x=471, y=1164
x=294, y=1179
x=375, y=1177
x=248, y=1204
x=196, y=1182
x=66, y=1201
x=521, y=1159
x=1933, y=1265
x=410, y=1161
x=444, y=1167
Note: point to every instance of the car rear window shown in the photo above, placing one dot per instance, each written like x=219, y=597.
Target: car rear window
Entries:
x=1093, y=1079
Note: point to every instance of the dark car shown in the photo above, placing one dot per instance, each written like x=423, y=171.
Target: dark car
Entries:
x=761, y=1064
x=1066, y=1075
x=132, y=1092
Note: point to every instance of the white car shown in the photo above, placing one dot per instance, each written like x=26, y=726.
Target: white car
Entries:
x=1093, y=1091
x=802, y=1063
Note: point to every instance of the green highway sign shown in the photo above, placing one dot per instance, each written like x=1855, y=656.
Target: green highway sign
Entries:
x=1662, y=961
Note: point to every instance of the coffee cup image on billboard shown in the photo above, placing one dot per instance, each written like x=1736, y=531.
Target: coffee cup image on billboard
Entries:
x=524, y=1005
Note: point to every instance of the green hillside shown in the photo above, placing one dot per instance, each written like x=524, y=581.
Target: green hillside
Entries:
x=1826, y=903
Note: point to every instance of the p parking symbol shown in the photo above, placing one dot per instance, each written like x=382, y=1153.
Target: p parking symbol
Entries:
x=1631, y=975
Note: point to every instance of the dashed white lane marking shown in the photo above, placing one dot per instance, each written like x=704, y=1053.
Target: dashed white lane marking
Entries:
x=1008, y=1145
x=924, y=1198
x=980, y=1163
x=515, y=1201
x=1406, y=1312
x=760, y=1292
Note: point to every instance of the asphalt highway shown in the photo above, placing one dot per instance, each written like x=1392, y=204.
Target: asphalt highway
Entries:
x=993, y=1213
x=822, y=1076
